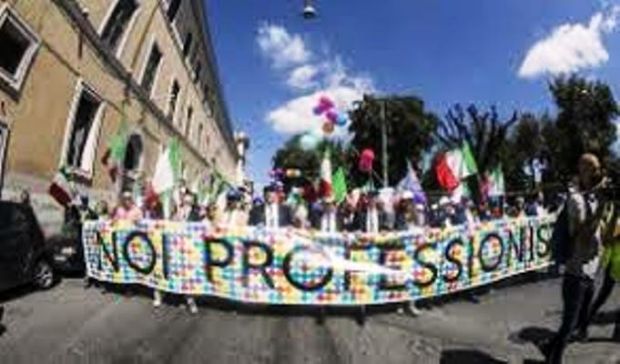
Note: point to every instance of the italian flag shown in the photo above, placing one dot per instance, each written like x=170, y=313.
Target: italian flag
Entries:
x=117, y=146
x=496, y=183
x=325, y=184
x=166, y=174
x=453, y=166
x=60, y=189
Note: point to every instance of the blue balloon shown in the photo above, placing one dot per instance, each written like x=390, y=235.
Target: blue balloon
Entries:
x=308, y=141
x=342, y=119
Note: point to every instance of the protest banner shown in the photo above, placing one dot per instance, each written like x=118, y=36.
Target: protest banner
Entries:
x=289, y=266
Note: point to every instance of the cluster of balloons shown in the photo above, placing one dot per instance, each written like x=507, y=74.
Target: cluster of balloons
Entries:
x=333, y=117
x=279, y=173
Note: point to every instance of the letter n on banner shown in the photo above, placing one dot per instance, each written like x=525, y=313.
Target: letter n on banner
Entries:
x=111, y=257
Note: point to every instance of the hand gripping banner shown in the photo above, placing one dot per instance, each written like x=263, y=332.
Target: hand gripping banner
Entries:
x=288, y=266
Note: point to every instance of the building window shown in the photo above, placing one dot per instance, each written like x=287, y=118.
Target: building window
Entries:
x=173, y=9
x=174, y=98
x=188, y=122
x=197, y=71
x=151, y=69
x=187, y=44
x=84, y=129
x=117, y=22
x=17, y=48
x=199, y=136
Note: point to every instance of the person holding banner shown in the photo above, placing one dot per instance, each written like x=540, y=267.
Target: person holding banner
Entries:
x=271, y=214
x=234, y=214
x=188, y=211
x=407, y=216
x=127, y=209
x=372, y=219
x=328, y=219
x=585, y=213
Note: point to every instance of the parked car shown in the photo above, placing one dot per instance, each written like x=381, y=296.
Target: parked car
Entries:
x=68, y=253
x=67, y=247
x=24, y=255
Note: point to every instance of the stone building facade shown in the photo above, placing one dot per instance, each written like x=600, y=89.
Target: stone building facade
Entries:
x=73, y=71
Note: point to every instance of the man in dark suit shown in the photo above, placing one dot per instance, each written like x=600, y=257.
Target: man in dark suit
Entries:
x=372, y=218
x=271, y=214
x=328, y=218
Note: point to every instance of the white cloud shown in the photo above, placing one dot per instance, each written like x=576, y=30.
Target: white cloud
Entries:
x=296, y=115
x=309, y=76
x=303, y=77
x=280, y=47
x=571, y=47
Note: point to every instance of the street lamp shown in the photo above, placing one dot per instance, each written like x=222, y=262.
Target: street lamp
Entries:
x=309, y=11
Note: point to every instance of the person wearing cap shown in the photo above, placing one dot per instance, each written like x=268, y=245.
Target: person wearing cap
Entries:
x=127, y=209
x=407, y=218
x=445, y=216
x=327, y=219
x=271, y=214
x=371, y=219
x=233, y=213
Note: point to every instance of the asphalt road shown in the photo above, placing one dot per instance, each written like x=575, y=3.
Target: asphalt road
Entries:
x=70, y=324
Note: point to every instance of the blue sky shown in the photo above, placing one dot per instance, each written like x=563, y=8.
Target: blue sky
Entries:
x=274, y=64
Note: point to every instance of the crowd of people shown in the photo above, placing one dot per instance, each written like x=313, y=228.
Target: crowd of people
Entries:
x=592, y=219
x=361, y=211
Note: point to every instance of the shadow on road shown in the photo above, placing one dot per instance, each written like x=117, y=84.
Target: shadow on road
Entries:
x=607, y=317
x=16, y=293
x=468, y=357
x=534, y=335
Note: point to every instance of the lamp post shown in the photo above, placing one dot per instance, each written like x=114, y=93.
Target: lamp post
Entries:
x=384, y=151
x=309, y=11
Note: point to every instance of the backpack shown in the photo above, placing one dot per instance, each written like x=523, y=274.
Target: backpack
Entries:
x=561, y=241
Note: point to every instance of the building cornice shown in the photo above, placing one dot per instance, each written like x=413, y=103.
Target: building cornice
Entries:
x=224, y=120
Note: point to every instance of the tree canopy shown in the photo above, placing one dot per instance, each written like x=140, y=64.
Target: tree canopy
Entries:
x=409, y=128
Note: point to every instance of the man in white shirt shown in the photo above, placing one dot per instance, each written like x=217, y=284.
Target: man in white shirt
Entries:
x=328, y=220
x=272, y=214
x=372, y=219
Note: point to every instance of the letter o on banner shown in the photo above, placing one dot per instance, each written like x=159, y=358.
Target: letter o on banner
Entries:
x=487, y=244
x=292, y=277
x=150, y=258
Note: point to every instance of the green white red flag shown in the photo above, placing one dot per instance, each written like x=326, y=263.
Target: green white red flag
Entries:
x=453, y=166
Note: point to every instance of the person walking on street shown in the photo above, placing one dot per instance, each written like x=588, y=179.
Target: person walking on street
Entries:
x=585, y=212
x=611, y=276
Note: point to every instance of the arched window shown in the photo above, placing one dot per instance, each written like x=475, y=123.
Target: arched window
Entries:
x=133, y=155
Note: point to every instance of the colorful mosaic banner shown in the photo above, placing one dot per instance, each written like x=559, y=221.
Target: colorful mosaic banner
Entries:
x=301, y=267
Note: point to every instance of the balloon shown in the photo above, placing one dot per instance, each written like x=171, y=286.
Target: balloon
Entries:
x=332, y=117
x=308, y=141
x=326, y=103
x=342, y=119
x=293, y=173
x=318, y=110
x=328, y=128
x=366, y=160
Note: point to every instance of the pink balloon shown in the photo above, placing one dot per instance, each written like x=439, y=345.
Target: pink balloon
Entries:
x=332, y=117
x=366, y=160
x=326, y=103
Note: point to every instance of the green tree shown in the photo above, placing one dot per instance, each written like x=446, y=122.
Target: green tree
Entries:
x=485, y=132
x=409, y=128
x=292, y=156
x=586, y=110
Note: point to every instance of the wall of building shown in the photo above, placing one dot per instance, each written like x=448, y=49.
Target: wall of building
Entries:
x=69, y=56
